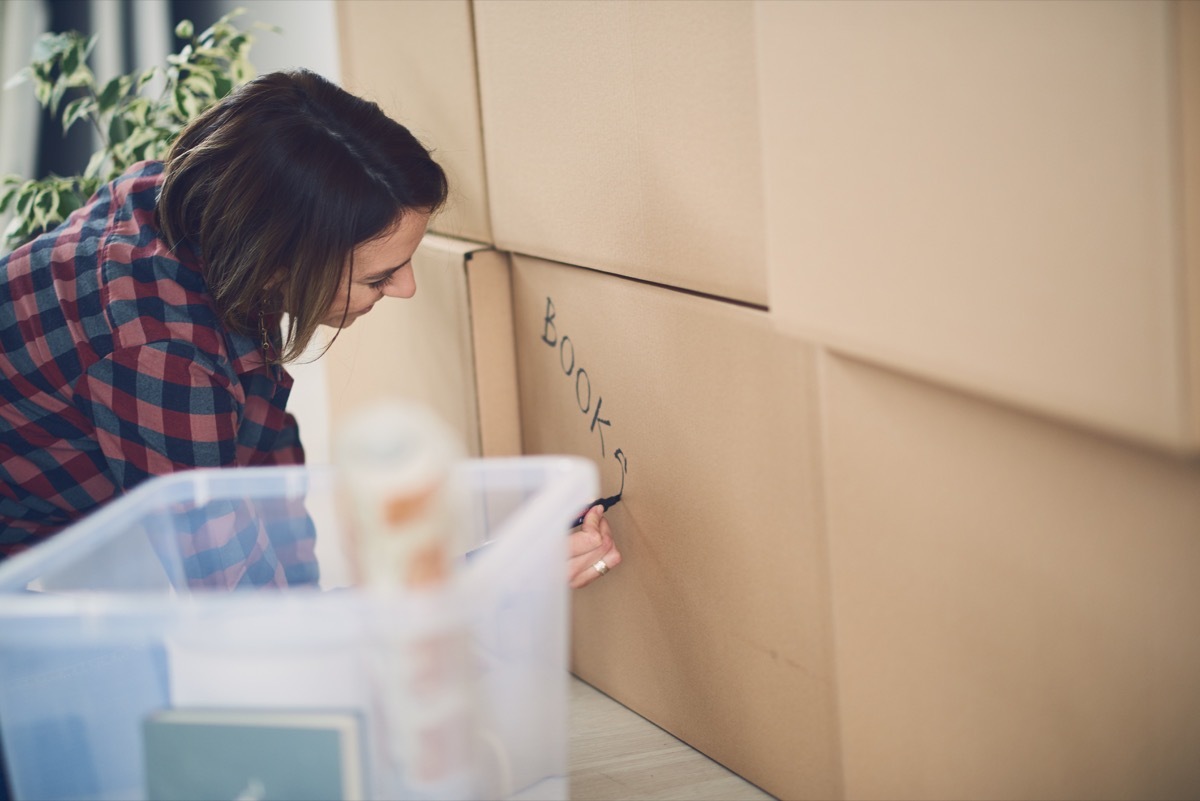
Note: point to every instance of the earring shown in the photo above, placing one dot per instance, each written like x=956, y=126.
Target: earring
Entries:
x=262, y=329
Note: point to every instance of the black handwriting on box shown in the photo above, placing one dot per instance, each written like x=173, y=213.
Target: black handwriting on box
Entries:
x=583, y=385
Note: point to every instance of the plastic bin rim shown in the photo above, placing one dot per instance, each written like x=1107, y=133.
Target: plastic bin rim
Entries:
x=569, y=475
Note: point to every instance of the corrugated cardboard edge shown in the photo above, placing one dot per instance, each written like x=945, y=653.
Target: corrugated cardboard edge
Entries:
x=341, y=16
x=1187, y=49
x=431, y=87
x=489, y=292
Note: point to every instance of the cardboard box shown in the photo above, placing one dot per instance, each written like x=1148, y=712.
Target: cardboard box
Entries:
x=715, y=625
x=417, y=60
x=623, y=136
x=449, y=347
x=1187, y=46
x=993, y=195
x=1015, y=603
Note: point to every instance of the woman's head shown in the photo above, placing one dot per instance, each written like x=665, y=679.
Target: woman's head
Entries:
x=276, y=186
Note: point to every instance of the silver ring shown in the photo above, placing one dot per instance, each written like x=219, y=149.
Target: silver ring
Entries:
x=600, y=567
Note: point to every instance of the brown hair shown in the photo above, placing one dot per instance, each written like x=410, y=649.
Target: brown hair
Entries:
x=289, y=172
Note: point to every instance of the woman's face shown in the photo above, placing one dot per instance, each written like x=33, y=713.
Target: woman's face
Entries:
x=382, y=267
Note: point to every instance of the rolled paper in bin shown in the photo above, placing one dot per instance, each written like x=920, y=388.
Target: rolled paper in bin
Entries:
x=395, y=463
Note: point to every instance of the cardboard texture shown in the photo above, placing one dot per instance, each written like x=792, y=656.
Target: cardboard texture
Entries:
x=449, y=347
x=715, y=625
x=987, y=194
x=1187, y=43
x=623, y=136
x=417, y=60
x=997, y=198
x=1015, y=602
x=489, y=291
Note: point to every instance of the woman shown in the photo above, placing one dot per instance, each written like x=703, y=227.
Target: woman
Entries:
x=142, y=336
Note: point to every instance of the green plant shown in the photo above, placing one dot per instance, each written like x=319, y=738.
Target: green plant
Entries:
x=132, y=123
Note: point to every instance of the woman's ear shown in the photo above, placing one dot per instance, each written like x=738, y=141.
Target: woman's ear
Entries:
x=276, y=280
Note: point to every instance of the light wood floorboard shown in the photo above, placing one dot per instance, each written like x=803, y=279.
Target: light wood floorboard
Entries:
x=617, y=755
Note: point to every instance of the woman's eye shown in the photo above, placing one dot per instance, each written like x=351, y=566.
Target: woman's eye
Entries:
x=382, y=282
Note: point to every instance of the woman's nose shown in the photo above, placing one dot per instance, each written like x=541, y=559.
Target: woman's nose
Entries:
x=403, y=283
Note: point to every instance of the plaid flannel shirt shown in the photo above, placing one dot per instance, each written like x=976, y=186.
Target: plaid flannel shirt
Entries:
x=114, y=368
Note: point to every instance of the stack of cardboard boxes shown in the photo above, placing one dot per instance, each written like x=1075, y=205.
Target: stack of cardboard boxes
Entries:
x=885, y=319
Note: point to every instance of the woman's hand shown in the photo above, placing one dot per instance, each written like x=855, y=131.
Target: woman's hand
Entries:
x=593, y=552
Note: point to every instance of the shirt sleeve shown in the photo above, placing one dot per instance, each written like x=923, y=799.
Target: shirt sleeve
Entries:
x=286, y=449
x=160, y=408
x=277, y=443
x=166, y=406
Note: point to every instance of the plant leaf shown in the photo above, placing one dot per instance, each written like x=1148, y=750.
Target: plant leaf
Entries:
x=70, y=201
x=46, y=206
x=12, y=182
x=23, y=75
x=138, y=139
x=56, y=96
x=14, y=233
x=180, y=104
x=185, y=55
x=117, y=130
x=25, y=198
x=42, y=91
x=200, y=83
x=90, y=46
x=76, y=110
x=137, y=112
x=95, y=163
x=139, y=124
x=71, y=59
x=110, y=94
x=144, y=78
x=159, y=148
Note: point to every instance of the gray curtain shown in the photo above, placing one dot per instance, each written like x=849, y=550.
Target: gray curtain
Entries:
x=21, y=21
x=131, y=34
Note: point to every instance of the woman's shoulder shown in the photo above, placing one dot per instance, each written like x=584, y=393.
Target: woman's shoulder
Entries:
x=135, y=188
x=132, y=198
x=153, y=297
x=153, y=293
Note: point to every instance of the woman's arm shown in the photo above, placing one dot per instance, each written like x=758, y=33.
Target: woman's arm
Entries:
x=167, y=406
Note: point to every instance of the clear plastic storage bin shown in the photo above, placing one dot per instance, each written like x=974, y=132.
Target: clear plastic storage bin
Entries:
x=101, y=638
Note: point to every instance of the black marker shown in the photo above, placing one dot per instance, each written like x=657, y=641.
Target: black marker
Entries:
x=607, y=503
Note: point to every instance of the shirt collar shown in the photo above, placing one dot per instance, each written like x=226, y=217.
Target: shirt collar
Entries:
x=246, y=351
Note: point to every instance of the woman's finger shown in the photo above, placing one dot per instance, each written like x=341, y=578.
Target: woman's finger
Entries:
x=590, y=535
x=584, y=572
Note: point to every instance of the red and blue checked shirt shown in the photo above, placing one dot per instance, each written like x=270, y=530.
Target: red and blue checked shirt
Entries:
x=114, y=368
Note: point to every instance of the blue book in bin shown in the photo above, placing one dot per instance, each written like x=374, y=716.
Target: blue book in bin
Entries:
x=266, y=755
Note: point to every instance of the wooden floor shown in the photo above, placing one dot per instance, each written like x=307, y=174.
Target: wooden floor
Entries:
x=617, y=755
